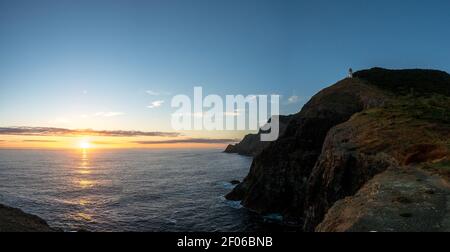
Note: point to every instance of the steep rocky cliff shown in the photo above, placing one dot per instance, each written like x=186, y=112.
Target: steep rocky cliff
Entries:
x=394, y=136
x=345, y=135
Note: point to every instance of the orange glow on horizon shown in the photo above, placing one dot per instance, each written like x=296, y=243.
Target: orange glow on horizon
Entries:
x=95, y=143
x=92, y=142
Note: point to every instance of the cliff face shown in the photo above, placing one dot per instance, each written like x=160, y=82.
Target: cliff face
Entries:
x=397, y=200
x=343, y=137
x=278, y=176
x=369, y=143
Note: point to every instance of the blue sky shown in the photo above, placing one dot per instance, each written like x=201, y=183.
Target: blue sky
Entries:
x=88, y=64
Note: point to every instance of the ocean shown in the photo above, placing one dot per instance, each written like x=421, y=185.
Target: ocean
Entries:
x=128, y=190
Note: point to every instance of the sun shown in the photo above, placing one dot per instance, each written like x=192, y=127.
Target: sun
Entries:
x=85, y=144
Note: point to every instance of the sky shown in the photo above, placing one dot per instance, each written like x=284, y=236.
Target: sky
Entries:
x=114, y=65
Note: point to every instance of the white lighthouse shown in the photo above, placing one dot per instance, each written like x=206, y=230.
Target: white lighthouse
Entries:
x=350, y=73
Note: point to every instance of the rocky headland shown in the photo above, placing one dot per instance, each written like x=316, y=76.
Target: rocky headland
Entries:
x=369, y=153
x=15, y=220
x=251, y=145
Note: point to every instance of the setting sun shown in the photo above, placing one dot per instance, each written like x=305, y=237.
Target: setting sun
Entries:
x=84, y=144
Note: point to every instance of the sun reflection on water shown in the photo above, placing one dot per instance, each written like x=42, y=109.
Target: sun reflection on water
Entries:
x=83, y=180
x=83, y=202
x=84, y=216
x=84, y=168
x=84, y=183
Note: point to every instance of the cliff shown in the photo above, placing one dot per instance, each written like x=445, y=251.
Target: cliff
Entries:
x=398, y=200
x=15, y=220
x=345, y=135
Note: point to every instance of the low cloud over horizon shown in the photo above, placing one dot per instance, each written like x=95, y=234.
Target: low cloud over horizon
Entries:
x=50, y=131
x=190, y=140
x=39, y=141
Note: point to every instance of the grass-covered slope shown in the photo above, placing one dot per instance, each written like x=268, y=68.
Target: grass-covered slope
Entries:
x=409, y=81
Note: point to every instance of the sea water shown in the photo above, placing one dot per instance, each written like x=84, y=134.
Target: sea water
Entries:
x=128, y=190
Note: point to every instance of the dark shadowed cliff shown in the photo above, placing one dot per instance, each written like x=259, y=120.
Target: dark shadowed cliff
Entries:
x=15, y=220
x=378, y=121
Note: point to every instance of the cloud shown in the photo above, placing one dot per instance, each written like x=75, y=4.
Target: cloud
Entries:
x=39, y=141
x=190, y=140
x=47, y=131
x=156, y=104
x=153, y=93
x=293, y=99
x=104, y=142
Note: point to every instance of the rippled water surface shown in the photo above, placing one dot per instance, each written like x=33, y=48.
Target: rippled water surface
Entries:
x=127, y=190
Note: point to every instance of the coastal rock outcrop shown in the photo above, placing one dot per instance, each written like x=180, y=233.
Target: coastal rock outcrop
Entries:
x=397, y=200
x=251, y=145
x=15, y=220
x=278, y=175
x=344, y=136
x=368, y=144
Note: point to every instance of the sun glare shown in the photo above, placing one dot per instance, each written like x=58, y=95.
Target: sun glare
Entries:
x=84, y=144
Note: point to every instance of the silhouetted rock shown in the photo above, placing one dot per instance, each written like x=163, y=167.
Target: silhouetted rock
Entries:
x=408, y=81
x=15, y=220
x=251, y=144
x=235, y=182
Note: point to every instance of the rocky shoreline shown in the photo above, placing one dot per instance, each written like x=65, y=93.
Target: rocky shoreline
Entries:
x=15, y=220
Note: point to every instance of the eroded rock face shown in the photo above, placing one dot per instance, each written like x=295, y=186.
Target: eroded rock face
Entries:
x=397, y=200
x=278, y=176
x=340, y=171
x=368, y=144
